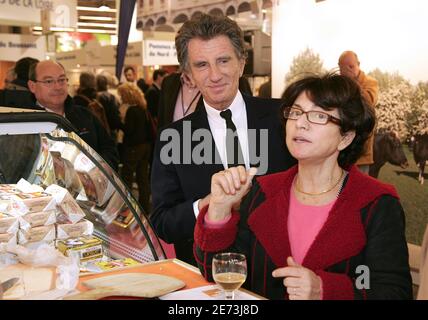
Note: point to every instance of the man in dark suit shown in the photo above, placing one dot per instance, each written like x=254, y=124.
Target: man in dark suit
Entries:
x=153, y=93
x=189, y=151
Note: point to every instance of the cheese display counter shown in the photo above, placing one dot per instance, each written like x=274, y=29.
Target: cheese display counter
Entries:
x=59, y=197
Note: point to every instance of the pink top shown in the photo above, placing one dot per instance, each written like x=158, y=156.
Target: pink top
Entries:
x=304, y=224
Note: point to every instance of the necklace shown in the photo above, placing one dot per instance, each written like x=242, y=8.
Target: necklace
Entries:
x=185, y=111
x=322, y=192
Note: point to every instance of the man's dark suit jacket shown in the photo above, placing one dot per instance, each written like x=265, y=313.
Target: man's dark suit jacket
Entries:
x=152, y=97
x=167, y=98
x=90, y=130
x=176, y=186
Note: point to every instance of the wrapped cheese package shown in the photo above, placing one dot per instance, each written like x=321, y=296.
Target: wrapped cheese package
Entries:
x=31, y=280
x=44, y=234
x=63, y=156
x=16, y=202
x=43, y=273
x=23, y=203
x=111, y=210
x=97, y=187
x=38, y=219
x=70, y=210
x=66, y=231
x=8, y=224
x=8, y=239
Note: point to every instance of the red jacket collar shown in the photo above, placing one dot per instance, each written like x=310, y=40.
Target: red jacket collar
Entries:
x=341, y=237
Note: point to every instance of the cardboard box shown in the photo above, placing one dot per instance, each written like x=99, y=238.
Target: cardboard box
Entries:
x=87, y=248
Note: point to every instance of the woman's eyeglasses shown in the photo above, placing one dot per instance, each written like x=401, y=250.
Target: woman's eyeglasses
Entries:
x=317, y=117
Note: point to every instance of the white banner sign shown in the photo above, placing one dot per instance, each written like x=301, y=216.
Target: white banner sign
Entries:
x=156, y=52
x=28, y=12
x=15, y=46
x=96, y=56
x=71, y=59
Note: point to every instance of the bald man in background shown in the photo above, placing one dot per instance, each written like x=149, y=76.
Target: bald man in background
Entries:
x=349, y=66
x=49, y=85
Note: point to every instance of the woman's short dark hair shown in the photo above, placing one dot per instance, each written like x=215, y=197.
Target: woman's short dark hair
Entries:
x=207, y=27
x=334, y=91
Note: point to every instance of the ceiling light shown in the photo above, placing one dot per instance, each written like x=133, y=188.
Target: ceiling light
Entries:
x=96, y=18
x=80, y=8
x=65, y=29
x=94, y=24
x=96, y=31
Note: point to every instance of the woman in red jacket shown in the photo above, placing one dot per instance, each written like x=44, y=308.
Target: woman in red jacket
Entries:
x=322, y=229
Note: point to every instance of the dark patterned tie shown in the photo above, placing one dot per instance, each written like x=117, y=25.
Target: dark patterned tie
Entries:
x=233, y=147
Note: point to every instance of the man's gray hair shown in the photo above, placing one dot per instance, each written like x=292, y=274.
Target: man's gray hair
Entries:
x=207, y=27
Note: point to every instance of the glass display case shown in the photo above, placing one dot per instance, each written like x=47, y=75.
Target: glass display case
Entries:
x=42, y=148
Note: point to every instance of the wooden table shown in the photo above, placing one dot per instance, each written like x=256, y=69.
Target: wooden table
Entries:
x=170, y=267
x=187, y=273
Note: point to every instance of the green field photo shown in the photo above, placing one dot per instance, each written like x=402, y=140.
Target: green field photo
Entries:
x=413, y=195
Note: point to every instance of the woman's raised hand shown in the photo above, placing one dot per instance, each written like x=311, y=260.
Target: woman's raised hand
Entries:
x=228, y=187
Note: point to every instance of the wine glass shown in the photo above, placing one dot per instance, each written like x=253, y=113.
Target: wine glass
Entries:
x=229, y=272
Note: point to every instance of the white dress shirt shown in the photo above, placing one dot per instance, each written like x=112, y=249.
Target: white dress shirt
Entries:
x=218, y=130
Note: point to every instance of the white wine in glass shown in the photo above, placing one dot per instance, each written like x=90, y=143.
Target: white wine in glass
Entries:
x=229, y=272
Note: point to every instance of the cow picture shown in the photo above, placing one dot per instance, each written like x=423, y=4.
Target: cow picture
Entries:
x=420, y=154
x=387, y=148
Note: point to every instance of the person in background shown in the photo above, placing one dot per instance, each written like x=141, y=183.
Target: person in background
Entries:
x=322, y=229
x=153, y=93
x=16, y=92
x=136, y=141
x=112, y=84
x=48, y=82
x=110, y=104
x=265, y=90
x=152, y=97
x=130, y=74
x=10, y=76
x=86, y=92
x=349, y=66
x=86, y=96
x=141, y=83
x=212, y=56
